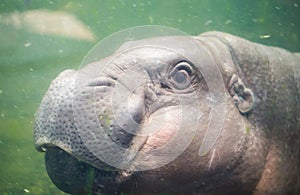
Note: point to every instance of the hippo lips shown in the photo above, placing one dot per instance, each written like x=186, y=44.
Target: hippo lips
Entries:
x=74, y=176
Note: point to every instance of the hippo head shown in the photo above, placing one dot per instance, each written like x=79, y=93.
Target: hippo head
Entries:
x=158, y=115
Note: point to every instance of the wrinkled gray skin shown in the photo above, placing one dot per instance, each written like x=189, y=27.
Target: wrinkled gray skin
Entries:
x=257, y=151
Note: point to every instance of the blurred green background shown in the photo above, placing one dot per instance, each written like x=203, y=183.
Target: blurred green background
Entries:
x=39, y=39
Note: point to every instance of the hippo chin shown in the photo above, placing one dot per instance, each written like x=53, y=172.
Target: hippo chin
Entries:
x=212, y=114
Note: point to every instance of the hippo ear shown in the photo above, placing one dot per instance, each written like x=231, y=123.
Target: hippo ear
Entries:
x=242, y=96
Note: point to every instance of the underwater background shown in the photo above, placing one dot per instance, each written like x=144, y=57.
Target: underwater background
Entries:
x=39, y=39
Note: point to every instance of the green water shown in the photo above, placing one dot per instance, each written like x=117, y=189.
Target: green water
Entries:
x=30, y=60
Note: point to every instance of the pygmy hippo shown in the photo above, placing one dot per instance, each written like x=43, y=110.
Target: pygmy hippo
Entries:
x=210, y=114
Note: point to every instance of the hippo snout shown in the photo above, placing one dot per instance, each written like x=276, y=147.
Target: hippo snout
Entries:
x=56, y=132
x=55, y=114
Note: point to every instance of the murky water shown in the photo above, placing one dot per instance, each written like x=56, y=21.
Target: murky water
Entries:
x=39, y=39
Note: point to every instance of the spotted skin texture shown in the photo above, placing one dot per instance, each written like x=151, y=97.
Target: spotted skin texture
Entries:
x=257, y=151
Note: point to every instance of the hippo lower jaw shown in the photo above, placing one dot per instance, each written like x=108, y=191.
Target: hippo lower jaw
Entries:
x=74, y=176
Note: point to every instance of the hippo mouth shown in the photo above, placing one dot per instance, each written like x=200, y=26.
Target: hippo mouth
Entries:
x=74, y=176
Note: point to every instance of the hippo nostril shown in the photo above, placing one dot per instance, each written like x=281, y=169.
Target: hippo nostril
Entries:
x=108, y=82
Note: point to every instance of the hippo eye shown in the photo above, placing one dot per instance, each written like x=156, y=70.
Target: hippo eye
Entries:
x=181, y=75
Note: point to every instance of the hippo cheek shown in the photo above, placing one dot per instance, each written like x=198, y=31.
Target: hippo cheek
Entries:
x=215, y=167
